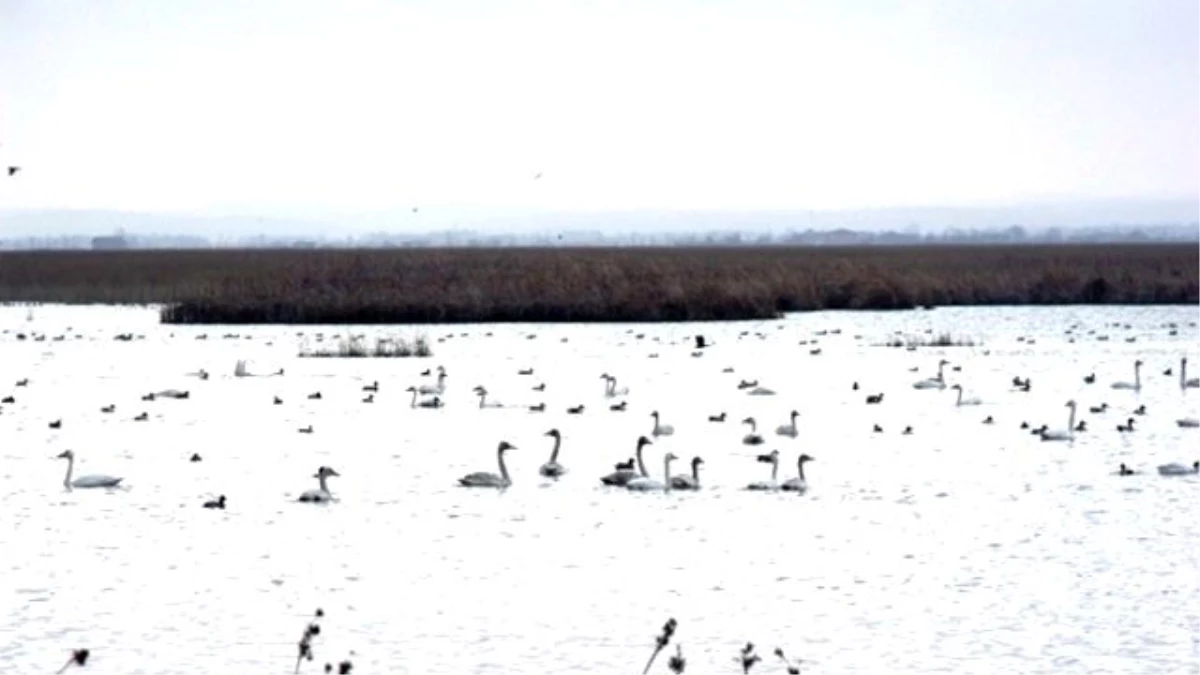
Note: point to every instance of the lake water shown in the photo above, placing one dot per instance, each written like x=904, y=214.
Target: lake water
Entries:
x=961, y=548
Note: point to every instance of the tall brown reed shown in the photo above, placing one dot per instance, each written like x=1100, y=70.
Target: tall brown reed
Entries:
x=595, y=284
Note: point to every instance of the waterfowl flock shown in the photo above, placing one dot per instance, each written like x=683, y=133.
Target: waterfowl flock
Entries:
x=435, y=393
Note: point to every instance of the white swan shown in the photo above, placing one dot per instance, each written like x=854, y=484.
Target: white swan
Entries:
x=761, y=391
x=965, y=401
x=649, y=484
x=752, y=438
x=552, y=469
x=621, y=477
x=686, y=482
x=659, y=428
x=1136, y=385
x=434, y=402
x=321, y=494
x=773, y=459
x=483, y=402
x=90, y=481
x=490, y=480
x=788, y=429
x=1067, y=434
x=439, y=388
x=1184, y=382
x=610, y=389
x=1177, y=469
x=938, y=382
x=1188, y=423
x=798, y=484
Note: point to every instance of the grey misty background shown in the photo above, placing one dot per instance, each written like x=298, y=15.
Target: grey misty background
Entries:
x=468, y=122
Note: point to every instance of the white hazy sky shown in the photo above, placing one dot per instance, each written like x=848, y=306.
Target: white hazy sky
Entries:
x=301, y=106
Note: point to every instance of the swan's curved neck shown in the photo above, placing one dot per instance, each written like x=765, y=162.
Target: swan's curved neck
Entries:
x=667, y=472
x=1071, y=421
x=640, y=464
x=696, y=472
x=1183, y=373
x=1137, y=375
x=941, y=371
x=775, y=469
x=503, y=468
x=554, y=452
x=800, y=467
x=70, y=469
x=960, y=397
x=321, y=478
x=482, y=398
x=414, y=399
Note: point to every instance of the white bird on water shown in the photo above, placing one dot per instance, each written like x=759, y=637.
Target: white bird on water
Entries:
x=964, y=401
x=1067, y=434
x=788, y=429
x=659, y=428
x=89, y=481
x=623, y=475
x=686, y=482
x=649, y=484
x=938, y=382
x=1184, y=382
x=491, y=480
x=771, y=458
x=798, y=484
x=322, y=493
x=1177, y=469
x=1136, y=385
x=552, y=469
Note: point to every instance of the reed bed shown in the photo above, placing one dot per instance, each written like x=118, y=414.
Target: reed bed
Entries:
x=356, y=346
x=373, y=286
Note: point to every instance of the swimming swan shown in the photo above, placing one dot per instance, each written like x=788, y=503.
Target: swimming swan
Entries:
x=483, y=402
x=938, y=382
x=771, y=458
x=964, y=401
x=1184, y=382
x=610, y=389
x=661, y=429
x=621, y=477
x=798, y=484
x=321, y=494
x=552, y=469
x=90, y=481
x=1188, y=423
x=490, y=480
x=752, y=438
x=686, y=482
x=788, y=429
x=439, y=388
x=1067, y=434
x=1177, y=469
x=1136, y=385
x=649, y=484
x=434, y=402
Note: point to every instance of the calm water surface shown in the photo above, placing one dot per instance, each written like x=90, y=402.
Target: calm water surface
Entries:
x=961, y=548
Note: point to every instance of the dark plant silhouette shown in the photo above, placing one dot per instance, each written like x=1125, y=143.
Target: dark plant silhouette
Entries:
x=661, y=642
x=677, y=663
x=312, y=630
x=748, y=657
x=793, y=665
x=79, y=657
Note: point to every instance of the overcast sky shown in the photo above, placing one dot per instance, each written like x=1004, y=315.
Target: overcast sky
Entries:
x=287, y=107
